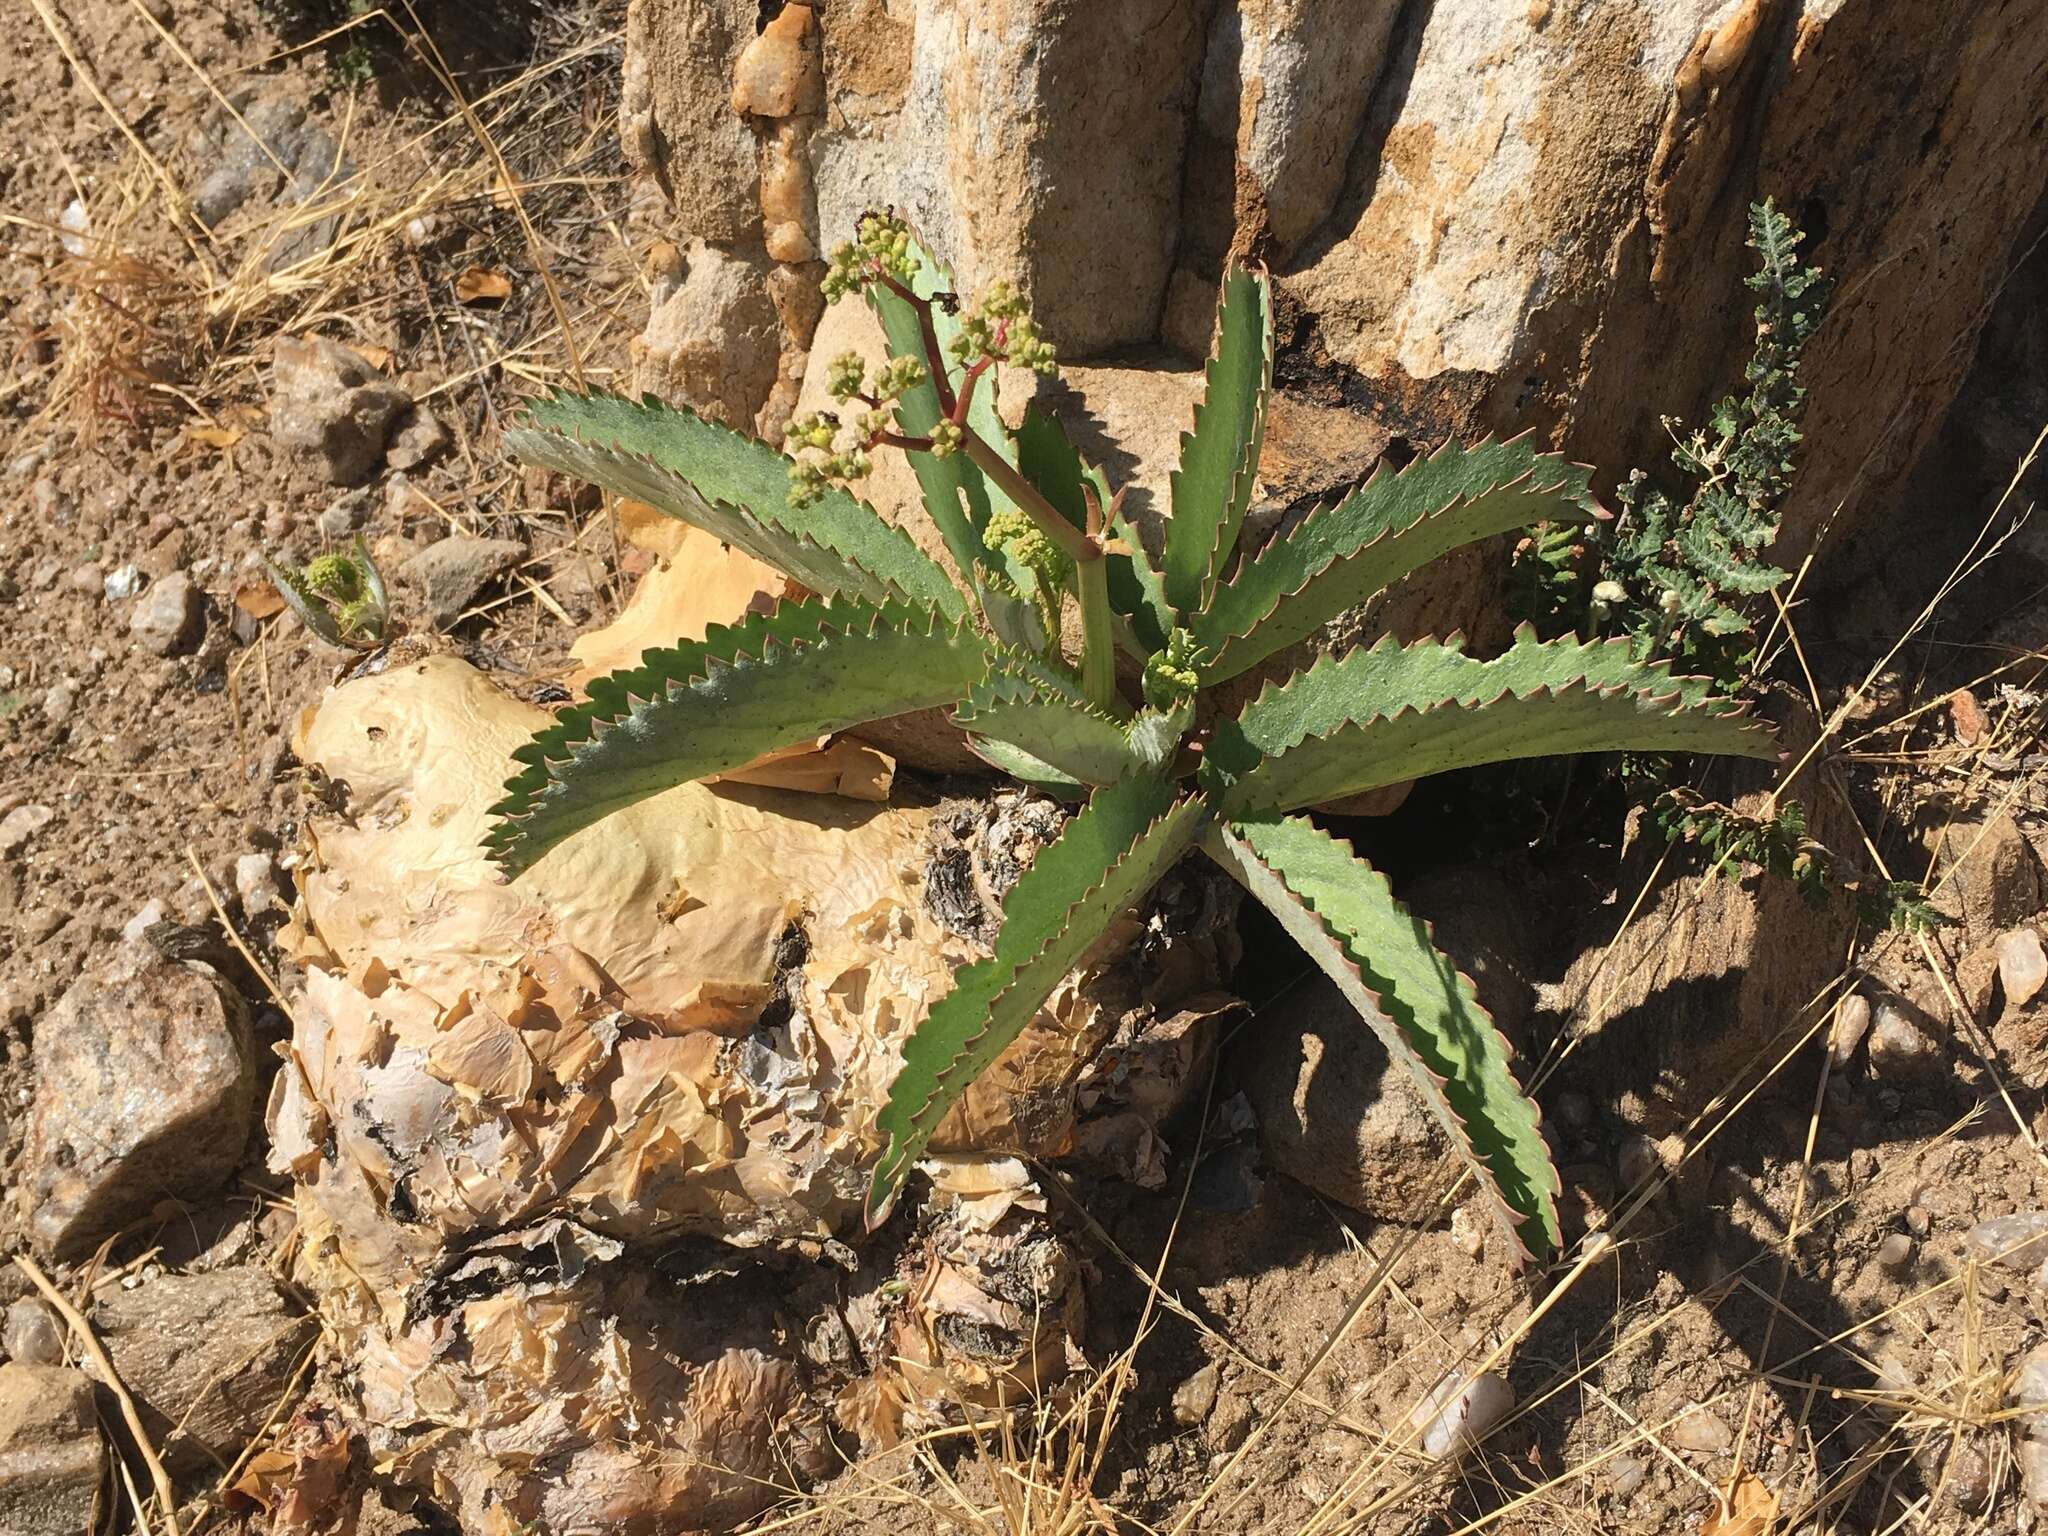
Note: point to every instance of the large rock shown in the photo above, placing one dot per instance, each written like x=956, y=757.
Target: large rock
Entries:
x=1483, y=216
x=145, y=1090
x=1335, y=1113
x=716, y=341
x=328, y=399
x=52, y=1459
x=675, y=112
x=569, y=1152
x=208, y=1358
x=1285, y=87
x=1987, y=873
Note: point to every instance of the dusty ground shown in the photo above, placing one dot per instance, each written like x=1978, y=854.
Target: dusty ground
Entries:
x=1785, y=1308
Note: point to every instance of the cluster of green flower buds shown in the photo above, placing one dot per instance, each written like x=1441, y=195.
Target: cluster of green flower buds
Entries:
x=883, y=249
x=1001, y=327
x=846, y=378
x=1170, y=675
x=345, y=584
x=817, y=462
x=1012, y=534
x=812, y=439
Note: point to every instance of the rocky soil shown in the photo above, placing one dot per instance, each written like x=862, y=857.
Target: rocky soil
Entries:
x=1803, y=1159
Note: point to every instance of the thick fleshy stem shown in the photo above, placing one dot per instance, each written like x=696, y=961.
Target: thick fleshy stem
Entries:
x=934, y=357
x=1098, y=649
x=1098, y=643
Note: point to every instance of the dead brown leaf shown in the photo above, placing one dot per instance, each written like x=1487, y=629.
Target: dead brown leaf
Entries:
x=299, y=1481
x=1747, y=1508
x=258, y=599
x=483, y=285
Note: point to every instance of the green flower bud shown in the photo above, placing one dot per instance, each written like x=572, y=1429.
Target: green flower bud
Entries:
x=337, y=577
x=811, y=430
x=946, y=439
x=807, y=482
x=898, y=375
x=1012, y=531
x=845, y=376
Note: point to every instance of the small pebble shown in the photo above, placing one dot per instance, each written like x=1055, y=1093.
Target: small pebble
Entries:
x=1852, y=1023
x=1898, y=1046
x=1919, y=1220
x=1967, y=1480
x=1195, y=1397
x=1468, y=1231
x=1637, y=1161
x=32, y=1333
x=1625, y=1474
x=1701, y=1431
x=23, y=823
x=256, y=884
x=1895, y=1251
x=278, y=525
x=2017, y=1242
x=2022, y=966
x=168, y=616
x=1894, y=1375
x=88, y=578
x=59, y=702
x=146, y=917
x=345, y=515
x=1457, y=1414
x=2029, y=1392
x=76, y=225
x=122, y=583
x=1573, y=1109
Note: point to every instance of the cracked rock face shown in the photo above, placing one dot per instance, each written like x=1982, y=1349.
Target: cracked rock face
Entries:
x=1482, y=216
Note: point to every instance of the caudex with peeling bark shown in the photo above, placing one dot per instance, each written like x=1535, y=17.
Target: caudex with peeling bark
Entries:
x=1158, y=767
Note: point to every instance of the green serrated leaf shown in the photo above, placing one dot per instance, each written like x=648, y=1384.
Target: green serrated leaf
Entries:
x=1055, y=468
x=1057, y=730
x=1219, y=459
x=1154, y=735
x=1014, y=762
x=734, y=487
x=1396, y=522
x=1340, y=911
x=1137, y=590
x=1105, y=859
x=1381, y=715
x=711, y=706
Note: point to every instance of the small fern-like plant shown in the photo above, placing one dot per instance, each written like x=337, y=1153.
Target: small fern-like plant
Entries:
x=1161, y=770
x=1681, y=569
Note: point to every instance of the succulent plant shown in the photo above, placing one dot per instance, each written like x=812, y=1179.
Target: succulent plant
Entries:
x=1160, y=769
x=339, y=597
